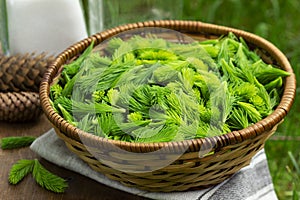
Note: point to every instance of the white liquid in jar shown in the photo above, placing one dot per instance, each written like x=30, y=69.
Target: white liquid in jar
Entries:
x=44, y=25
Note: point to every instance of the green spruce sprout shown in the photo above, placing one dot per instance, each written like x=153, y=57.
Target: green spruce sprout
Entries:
x=148, y=89
x=16, y=142
x=40, y=174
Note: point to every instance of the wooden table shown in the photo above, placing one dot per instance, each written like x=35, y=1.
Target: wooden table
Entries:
x=80, y=187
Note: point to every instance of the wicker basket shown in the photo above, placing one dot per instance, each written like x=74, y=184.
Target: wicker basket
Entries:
x=197, y=163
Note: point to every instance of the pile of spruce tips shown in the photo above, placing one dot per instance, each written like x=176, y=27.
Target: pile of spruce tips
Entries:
x=147, y=89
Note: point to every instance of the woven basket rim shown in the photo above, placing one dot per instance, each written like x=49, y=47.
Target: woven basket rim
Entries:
x=215, y=142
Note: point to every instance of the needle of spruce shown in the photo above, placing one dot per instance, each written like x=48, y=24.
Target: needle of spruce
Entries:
x=41, y=175
x=16, y=142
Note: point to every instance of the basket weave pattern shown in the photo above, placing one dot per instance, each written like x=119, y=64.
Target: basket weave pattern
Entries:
x=202, y=162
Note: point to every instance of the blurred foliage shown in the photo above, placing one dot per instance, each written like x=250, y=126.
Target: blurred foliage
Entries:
x=3, y=29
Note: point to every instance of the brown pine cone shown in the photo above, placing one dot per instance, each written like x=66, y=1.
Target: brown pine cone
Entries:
x=23, y=72
x=19, y=106
x=20, y=77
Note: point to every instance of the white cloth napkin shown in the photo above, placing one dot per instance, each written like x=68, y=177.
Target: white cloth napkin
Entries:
x=250, y=183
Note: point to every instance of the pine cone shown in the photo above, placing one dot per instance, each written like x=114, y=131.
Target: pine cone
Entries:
x=23, y=72
x=19, y=106
x=20, y=78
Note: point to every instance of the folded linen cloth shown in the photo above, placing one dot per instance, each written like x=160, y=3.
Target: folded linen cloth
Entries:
x=252, y=182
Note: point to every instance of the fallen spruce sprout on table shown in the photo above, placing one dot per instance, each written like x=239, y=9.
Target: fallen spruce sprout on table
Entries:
x=16, y=142
x=148, y=89
x=24, y=167
x=41, y=175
